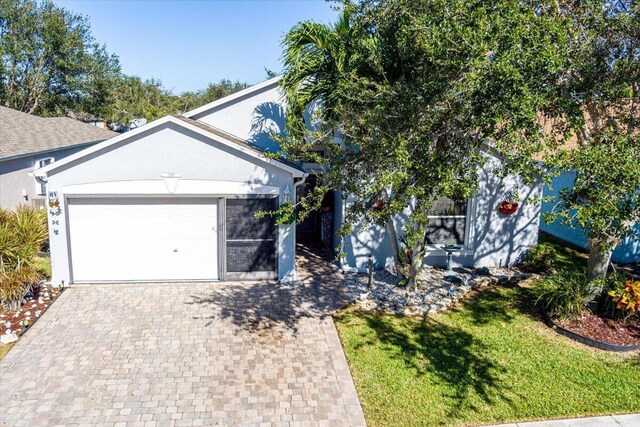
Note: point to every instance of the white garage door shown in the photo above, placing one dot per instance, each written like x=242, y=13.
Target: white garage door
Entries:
x=143, y=239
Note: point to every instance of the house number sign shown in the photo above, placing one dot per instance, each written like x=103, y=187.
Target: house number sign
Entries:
x=54, y=211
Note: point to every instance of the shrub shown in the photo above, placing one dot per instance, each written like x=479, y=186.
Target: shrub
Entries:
x=22, y=235
x=564, y=294
x=626, y=297
x=540, y=258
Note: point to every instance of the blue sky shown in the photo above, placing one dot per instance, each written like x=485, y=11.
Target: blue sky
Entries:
x=188, y=44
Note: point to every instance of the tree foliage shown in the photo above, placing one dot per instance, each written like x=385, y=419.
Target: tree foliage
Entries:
x=49, y=61
x=50, y=64
x=599, y=107
x=417, y=89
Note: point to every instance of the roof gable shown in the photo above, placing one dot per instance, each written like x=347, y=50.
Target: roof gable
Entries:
x=184, y=122
x=245, y=93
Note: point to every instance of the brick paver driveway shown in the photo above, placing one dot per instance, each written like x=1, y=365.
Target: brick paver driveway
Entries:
x=182, y=354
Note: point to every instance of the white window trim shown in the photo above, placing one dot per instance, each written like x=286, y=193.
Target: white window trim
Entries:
x=37, y=166
x=467, y=246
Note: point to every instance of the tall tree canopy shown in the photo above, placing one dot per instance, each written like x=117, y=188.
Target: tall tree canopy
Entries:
x=416, y=88
x=49, y=60
x=598, y=115
x=426, y=84
x=50, y=64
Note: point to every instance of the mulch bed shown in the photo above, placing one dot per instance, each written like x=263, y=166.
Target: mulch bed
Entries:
x=609, y=331
x=32, y=308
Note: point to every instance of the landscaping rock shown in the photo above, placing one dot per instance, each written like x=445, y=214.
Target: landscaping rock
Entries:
x=8, y=338
x=482, y=271
x=436, y=291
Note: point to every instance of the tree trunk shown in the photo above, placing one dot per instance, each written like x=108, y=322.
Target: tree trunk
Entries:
x=395, y=249
x=598, y=264
x=599, y=258
x=417, y=262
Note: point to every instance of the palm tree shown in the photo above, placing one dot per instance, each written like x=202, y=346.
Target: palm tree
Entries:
x=316, y=57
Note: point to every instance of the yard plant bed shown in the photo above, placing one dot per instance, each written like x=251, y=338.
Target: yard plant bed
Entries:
x=489, y=360
x=612, y=332
x=32, y=308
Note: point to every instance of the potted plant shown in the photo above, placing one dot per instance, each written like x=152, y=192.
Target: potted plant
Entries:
x=508, y=206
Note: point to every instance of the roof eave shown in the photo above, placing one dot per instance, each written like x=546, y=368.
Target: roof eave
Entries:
x=51, y=150
x=45, y=171
x=234, y=96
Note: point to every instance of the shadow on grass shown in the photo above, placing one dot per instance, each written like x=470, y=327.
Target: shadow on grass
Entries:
x=491, y=306
x=568, y=257
x=453, y=355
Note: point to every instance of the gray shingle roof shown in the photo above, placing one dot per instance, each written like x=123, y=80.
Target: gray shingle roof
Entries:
x=22, y=133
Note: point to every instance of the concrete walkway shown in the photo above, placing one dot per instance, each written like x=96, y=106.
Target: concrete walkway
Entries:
x=184, y=354
x=630, y=420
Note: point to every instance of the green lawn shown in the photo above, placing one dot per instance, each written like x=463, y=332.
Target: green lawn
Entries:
x=568, y=258
x=488, y=361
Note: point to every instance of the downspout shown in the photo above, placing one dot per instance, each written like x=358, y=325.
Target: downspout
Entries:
x=39, y=179
x=295, y=186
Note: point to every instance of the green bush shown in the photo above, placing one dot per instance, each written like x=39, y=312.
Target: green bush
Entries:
x=620, y=299
x=42, y=263
x=564, y=294
x=540, y=258
x=23, y=233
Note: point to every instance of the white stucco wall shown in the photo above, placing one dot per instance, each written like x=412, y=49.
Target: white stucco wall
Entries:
x=253, y=118
x=492, y=239
x=14, y=176
x=166, y=149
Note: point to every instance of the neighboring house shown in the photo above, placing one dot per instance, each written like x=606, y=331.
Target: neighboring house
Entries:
x=627, y=251
x=175, y=200
x=28, y=142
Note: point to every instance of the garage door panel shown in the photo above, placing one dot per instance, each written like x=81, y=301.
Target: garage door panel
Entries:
x=147, y=239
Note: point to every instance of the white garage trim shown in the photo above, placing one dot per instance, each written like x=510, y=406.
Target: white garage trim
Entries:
x=146, y=239
x=183, y=187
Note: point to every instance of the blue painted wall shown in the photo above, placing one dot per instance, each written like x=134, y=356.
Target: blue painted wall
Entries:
x=627, y=251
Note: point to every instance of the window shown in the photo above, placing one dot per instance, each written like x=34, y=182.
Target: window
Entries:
x=41, y=188
x=447, y=222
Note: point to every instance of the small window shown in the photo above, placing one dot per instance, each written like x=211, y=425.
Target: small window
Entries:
x=41, y=188
x=447, y=222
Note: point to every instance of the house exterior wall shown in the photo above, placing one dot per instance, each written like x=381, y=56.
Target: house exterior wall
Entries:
x=253, y=118
x=14, y=177
x=627, y=251
x=165, y=149
x=492, y=239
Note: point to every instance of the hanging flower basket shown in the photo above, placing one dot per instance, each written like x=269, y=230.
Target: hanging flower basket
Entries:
x=508, y=207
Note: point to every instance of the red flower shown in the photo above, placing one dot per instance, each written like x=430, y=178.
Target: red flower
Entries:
x=508, y=208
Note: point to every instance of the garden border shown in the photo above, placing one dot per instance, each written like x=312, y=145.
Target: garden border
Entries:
x=585, y=340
